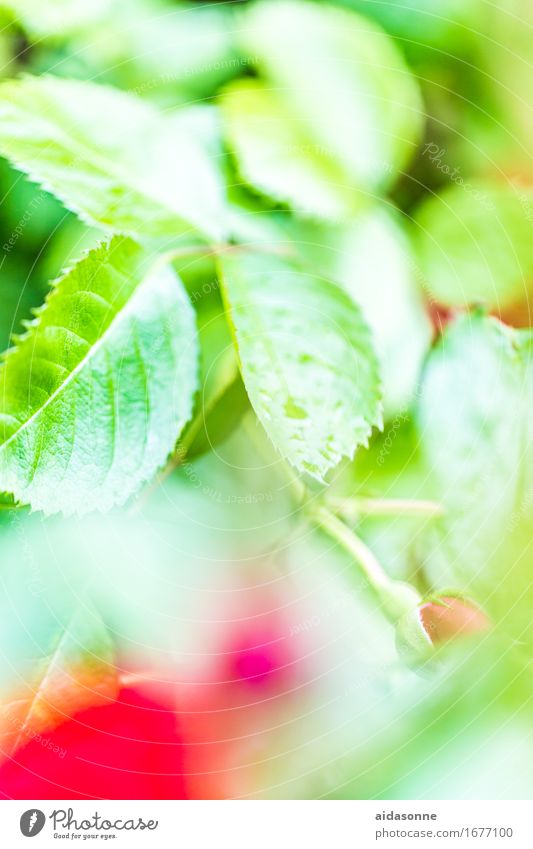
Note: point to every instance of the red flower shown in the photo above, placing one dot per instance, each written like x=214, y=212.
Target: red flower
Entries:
x=128, y=749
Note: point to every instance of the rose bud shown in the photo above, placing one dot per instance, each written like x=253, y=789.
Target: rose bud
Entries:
x=450, y=617
x=438, y=621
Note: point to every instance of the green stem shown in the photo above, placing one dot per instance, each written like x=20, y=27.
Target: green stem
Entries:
x=224, y=248
x=368, y=562
x=396, y=597
x=352, y=508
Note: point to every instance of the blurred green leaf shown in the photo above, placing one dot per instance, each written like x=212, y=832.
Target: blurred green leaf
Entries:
x=345, y=80
x=372, y=258
x=424, y=23
x=475, y=243
x=97, y=391
x=275, y=155
x=139, y=173
x=58, y=18
x=306, y=357
x=476, y=434
x=168, y=52
x=177, y=51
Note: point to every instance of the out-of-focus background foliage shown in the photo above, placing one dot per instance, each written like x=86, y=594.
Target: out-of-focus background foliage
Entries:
x=285, y=677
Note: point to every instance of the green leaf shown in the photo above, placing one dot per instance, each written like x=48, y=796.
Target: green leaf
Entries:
x=138, y=173
x=344, y=80
x=60, y=18
x=475, y=243
x=180, y=53
x=375, y=263
x=423, y=25
x=477, y=437
x=275, y=155
x=77, y=672
x=306, y=358
x=95, y=394
x=371, y=257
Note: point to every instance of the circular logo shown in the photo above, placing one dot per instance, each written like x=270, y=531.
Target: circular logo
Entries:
x=32, y=822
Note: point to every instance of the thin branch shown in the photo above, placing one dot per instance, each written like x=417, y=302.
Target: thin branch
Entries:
x=366, y=559
x=395, y=597
x=353, y=508
x=224, y=248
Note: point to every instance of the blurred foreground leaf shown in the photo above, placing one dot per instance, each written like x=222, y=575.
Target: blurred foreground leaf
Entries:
x=77, y=673
x=463, y=731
